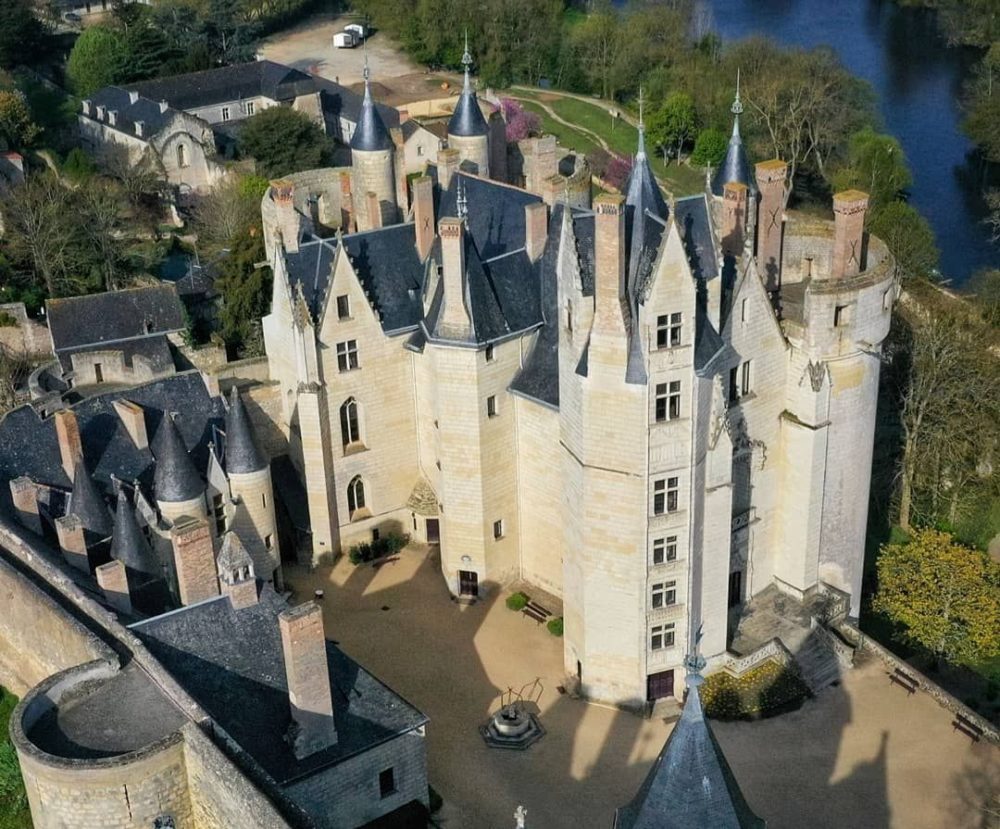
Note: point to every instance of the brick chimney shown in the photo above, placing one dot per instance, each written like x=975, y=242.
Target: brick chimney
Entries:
x=194, y=561
x=849, y=209
x=374, y=210
x=540, y=162
x=609, y=341
x=399, y=168
x=448, y=160
x=304, y=647
x=348, y=221
x=734, y=217
x=536, y=229
x=423, y=215
x=134, y=420
x=113, y=581
x=770, y=220
x=24, y=494
x=283, y=196
x=68, y=435
x=454, y=320
x=69, y=531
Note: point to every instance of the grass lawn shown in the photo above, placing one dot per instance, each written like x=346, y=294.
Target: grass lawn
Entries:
x=14, y=813
x=569, y=138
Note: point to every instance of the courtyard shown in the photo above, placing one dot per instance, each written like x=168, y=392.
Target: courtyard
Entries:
x=862, y=754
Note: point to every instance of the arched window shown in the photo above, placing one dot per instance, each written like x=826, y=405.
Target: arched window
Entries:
x=355, y=495
x=350, y=425
x=182, y=156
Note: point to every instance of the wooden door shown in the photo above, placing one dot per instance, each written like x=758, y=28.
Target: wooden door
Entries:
x=735, y=588
x=660, y=685
x=433, y=531
x=468, y=583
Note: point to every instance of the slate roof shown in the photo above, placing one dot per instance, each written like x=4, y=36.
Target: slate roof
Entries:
x=690, y=786
x=467, y=120
x=341, y=102
x=233, y=556
x=175, y=479
x=150, y=113
x=495, y=212
x=371, y=133
x=695, y=225
x=128, y=544
x=28, y=444
x=154, y=348
x=735, y=166
x=242, y=453
x=642, y=196
x=227, y=83
x=87, y=503
x=113, y=316
x=231, y=662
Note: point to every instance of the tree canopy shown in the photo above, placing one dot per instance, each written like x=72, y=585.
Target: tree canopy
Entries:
x=946, y=597
x=98, y=59
x=22, y=35
x=283, y=141
x=245, y=287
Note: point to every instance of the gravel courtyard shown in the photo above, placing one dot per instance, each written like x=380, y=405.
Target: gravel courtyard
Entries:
x=862, y=754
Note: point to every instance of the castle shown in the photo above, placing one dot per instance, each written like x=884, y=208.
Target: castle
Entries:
x=651, y=410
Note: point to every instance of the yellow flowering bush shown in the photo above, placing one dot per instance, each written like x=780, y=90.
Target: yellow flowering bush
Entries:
x=765, y=691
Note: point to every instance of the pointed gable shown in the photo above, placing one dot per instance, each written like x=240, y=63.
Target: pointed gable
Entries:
x=128, y=544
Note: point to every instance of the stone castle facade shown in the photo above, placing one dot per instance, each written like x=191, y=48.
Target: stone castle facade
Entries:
x=652, y=411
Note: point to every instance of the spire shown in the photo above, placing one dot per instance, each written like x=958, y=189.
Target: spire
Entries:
x=87, y=503
x=690, y=784
x=467, y=120
x=242, y=453
x=641, y=150
x=735, y=166
x=461, y=202
x=175, y=479
x=370, y=134
x=128, y=544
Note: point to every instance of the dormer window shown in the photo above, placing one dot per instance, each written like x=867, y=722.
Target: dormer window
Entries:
x=100, y=112
x=113, y=117
x=140, y=128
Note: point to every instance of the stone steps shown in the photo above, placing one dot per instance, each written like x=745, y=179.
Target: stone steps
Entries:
x=818, y=664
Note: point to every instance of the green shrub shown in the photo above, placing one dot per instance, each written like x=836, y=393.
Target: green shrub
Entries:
x=14, y=813
x=517, y=601
x=555, y=626
x=7, y=320
x=766, y=691
x=386, y=545
x=709, y=148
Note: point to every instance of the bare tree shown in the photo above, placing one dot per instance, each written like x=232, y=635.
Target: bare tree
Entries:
x=35, y=221
x=15, y=366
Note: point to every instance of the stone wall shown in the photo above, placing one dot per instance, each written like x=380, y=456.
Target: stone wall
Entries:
x=348, y=794
x=27, y=335
x=38, y=639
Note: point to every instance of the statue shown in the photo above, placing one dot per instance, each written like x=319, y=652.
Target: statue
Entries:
x=520, y=813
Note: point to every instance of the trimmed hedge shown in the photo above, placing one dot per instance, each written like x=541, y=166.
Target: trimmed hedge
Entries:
x=517, y=601
x=386, y=545
x=555, y=626
x=766, y=691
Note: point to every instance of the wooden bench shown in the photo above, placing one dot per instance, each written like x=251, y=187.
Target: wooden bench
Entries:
x=967, y=727
x=535, y=611
x=904, y=680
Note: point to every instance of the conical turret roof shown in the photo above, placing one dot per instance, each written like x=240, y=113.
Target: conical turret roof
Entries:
x=371, y=133
x=467, y=120
x=128, y=544
x=233, y=556
x=735, y=166
x=87, y=503
x=176, y=478
x=690, y=785
x=242, y=452
x=642, y=196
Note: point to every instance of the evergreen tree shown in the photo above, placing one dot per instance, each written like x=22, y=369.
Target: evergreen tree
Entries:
x=283, y=141
x=98, y=59
x=22, y=35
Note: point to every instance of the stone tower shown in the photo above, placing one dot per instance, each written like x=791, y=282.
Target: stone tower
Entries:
x=468, y=131
x=177, y=486
x=372, y=170
x=249, y=476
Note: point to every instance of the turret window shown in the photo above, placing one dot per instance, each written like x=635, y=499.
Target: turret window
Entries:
x=664, y=549
x=668, y=401
x=182, y=160
x=665, y=495
x=355, y=496
x=664, y=594
x=343, y=307
x=661, y=636
x=668, y=330
x=219, y=514
x=350, y=424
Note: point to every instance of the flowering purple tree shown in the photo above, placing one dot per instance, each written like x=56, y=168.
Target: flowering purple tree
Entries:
x=520, y=122
x=617, y=171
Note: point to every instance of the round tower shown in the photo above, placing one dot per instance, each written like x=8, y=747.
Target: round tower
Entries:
x=372, y=171
x=177, y=486
x=250, y=485
x=468, y=131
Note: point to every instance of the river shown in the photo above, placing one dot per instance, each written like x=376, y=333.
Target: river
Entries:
x=918, y=81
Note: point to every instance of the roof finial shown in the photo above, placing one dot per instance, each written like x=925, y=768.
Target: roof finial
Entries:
x=737, y=107
x=466, y=59
x=642, y=126
x=366, y=72
x=694, y=661
x=462, y=204
x=641, y=149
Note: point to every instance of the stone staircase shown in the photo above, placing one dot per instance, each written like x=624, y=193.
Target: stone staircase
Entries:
x=818, y=663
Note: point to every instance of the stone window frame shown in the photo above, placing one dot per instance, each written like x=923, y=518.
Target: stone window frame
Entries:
x=663, y=594
x=498, y=529
x=351, y=428
x=226, y=113
x=664, y=549
x=357, y=499
x=344, y=310
x=669, y=329
x=347, y=356
x=492, y=406
x=661, y=636
x=387, y=782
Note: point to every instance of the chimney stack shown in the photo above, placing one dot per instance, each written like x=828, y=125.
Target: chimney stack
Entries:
x=536, y=227
x=25, y=497
x=734, y=217
x=423, y=215
x=308, y=674
x=849, y=209
x=113, y=581
x=134, y=420
x=608, y=339
x=68, y=435
x=194, y=561
x=454, y=320
x=69, y=531
x=347, y=222
x=283, y=196
x=770, y=220
x=448, y=160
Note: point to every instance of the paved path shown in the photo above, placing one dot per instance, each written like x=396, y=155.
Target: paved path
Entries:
x=862, y=754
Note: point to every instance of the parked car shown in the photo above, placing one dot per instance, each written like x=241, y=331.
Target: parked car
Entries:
x=345, y=40
x=359, y=29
